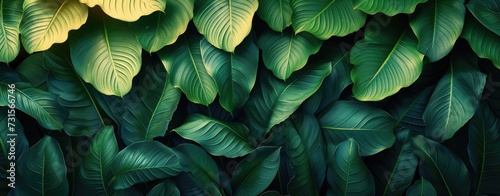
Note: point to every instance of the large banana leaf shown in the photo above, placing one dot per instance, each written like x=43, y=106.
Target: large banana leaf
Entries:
x=10, y=125
x=47, y=22
x=159, y=29
x=234, y=72
x=485, y=43
x=286, y=52
x=275, y=100
x=276, y=13
x=454, y=99
x=256, y=172
x=143, y=161
x=41, y=105
x=217, y=137
x=225, y=23
x=184, y=63
x=167, y=187
x=102, y=57
x=96, y=166
x=372, y=127
x=10, y=19
x=127, y=10
x=41, y=170
x=441, y=167
x=385, y=61
x=348, y=175
x=484, y=154
x=408, y=107
x=421, y=187
x=487, y=12
x=326, y=18
x=438, y=24
x=388, y=7
x=32, y=70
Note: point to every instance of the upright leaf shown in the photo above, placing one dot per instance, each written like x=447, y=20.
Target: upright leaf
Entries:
x=11, y=129
x=388, y=7
x=485, y=43
x=276, y=13
x=421, y=187
x=225, y=23
x=487, y=12
x=10, y=20
x=127, y=10
x=167, y=187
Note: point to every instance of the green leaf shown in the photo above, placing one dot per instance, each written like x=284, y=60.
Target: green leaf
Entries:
x=102, y=57
x=348, y=175
x=96, y=166
x=10, y=19
x=454, y=99
x=276, y=13
x=218, y=138
x=234, y=73
x=385, y=61
x=167, y=187
x=326, y=18
x=408, y=108
x=286, y=52
x=437, y=25
x=143, y=161
x=256, y=172
x=41, y=105
x=485, y=43
x=225, y=23
x=421, y=187
x=184, y=63
x=275, y=100
x=335, y=83
x=32, y=70
x=372, y=127
x=441, y=167
x=487, y=12
x=41, y=170
x=10, y=125
x=159, y=29
x=484, y=145
x=47, y=22
x=388, y=7
x=127, y=10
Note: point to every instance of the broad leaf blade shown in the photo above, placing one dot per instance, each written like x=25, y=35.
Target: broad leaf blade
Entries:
x=420, y=188
x=485, y=43
x=487, y=12
x=276, y=13
x=127, y=10
x=408, y=108
x=388, y=7
x=32, y=70
x=10, y=20
x=167, y=187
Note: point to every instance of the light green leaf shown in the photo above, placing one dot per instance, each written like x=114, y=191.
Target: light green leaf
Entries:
x=372, y=127
x=276, y=13
x=408, y=108
x=32, y=70
x=420, y=188
x=159, y=29
x=127, y=10
x=348, y=174
x=10, y=19
x=437, y=25
x=10, y=125
x=47, y=22
x=385, y=61
x=256, y=172
x=167, y=187
x=102, y=57
x=184, y=63
x=143, y=161
x=487, y=12
x=388, y=7
x=485, y=43
x=234, y=73
x=454, y=99
x=326, y=18
x=41, y=170
x=225, y=23
x=284, y=53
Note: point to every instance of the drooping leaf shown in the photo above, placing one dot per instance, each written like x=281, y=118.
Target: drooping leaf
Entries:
x=276, y=13
x=408, y=108
x=441, y=167
x=167, y=187
x=256, y=172
x=96, y=165
x=225, y=23
x=184, y=63
x=388, y=7
x=159, y=29
x=372, y=127
x=484, y=145
x=454, y=99
x=143, y=161
x=326, y=18
x=485, y=43
x=286, y=52
x=10, y=20
x=421, y=187
x=41, y=170
x=127, y=10
x=234, y=73
x=47, y=22
x=32, y=70
x=348, y=175
x=385, y=61
x=487, y=12
x=102, y=57
x=437, y=25
x=11, y=129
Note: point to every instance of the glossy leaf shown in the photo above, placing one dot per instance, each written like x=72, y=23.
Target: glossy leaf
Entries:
x=485, y=43
x=127, y=10
x=388, y=7
x=10, y=20
x=487, y=12
x=10, y=125
x=276, y=13
x=421, y=187
x=167, y=187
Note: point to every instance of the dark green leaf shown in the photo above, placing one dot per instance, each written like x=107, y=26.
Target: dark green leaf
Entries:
x=420, y=188
x=165, y=188
x=276, y=13
x=487, y=12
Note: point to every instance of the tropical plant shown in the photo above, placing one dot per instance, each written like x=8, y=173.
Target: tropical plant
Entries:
x=249, y=97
